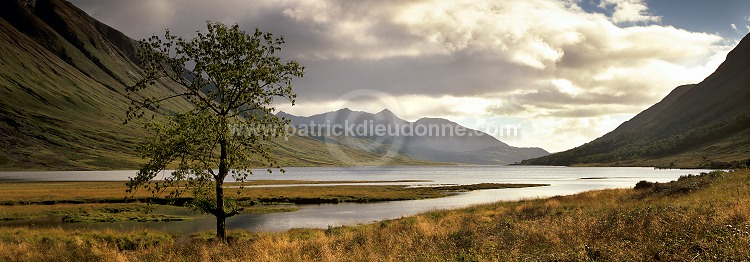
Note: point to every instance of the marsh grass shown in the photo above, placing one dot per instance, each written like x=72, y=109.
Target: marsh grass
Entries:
x=709, y=222
x=56, y=193
x=93, y=202
x=71, y=213
x=266, y=209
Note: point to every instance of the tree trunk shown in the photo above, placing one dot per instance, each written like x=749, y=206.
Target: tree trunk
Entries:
x=221, y=227
x=220, y=213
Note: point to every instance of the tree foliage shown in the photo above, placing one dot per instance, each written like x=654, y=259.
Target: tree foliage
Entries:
x=230, y=79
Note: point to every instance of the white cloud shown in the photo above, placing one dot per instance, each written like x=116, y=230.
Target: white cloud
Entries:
x=576, y=70
x=547, y=64
x=564, y=132
x=567, y=87
x=409, y=107
x=733, y=26
x=629, y=11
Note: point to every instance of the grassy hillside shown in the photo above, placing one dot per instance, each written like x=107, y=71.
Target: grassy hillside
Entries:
x=695, y=125
x=62, y=83
x=61, y=86
x=702, y=218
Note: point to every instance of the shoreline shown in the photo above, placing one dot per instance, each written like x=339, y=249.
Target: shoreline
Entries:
x=87, y=201
x=660, y=221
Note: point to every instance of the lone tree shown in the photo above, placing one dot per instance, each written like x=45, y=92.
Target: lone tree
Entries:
x=230, y=79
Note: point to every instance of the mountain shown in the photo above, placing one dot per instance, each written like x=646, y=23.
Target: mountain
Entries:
x=62, y=83
x=62, y=80
x=429, y=139
x=695, y=125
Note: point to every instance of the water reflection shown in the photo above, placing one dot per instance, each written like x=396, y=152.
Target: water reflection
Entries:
x=562, y=180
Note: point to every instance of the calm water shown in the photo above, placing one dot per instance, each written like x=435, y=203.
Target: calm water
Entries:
x=562, y=180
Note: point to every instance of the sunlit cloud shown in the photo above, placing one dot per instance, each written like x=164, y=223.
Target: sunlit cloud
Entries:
x=565, y=74
x=632, y=11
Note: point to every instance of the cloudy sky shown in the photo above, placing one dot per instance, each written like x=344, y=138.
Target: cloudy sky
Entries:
x=562, y=71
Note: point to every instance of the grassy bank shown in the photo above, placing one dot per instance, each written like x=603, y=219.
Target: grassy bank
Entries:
x=20, y=193
x=696, y=218
x=108, y=201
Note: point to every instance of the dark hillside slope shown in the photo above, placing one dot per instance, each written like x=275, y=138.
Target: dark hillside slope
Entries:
x=648, y=115
x=694, y=125
x=62, y=81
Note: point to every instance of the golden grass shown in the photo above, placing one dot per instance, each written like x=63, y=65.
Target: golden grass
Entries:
x=708, y=221
x=37, y=211
x=95, y=212
x=51, y=191
x=93, y=201
x=12, y=193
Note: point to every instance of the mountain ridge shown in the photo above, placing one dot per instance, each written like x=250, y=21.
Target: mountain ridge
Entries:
x=59, y=76
x=429, y=139
x=63, y=76
x=695, y=125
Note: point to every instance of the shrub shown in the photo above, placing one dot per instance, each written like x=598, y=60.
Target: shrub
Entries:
x=643, y=184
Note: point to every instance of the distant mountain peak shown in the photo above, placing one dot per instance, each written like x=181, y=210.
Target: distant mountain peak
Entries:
x=385, y=111
x=435, y=120
x=433, y=139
